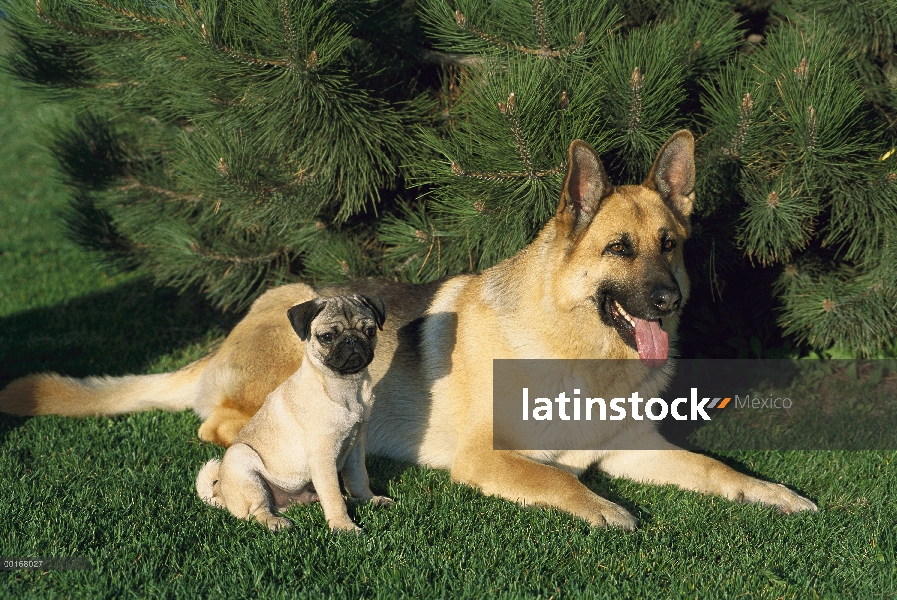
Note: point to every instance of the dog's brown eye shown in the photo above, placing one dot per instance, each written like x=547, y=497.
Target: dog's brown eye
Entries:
x=325, y=338
x=618, y=247
x=668, y=245
x=370, y=331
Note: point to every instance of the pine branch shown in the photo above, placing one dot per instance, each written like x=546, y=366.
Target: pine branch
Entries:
x=172, y=195
x=287, y=26
x=635, y=106
x=450, y=58
x=254, y=60
x=505, y=175
x=236, y=260
x=191, y=14
x=507, y=108
x=540, y=24
x=544, y=51
x=733, y=149
x=78, y=30
x=141, y=18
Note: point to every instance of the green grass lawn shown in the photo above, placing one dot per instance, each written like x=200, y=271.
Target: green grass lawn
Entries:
x=120, y=490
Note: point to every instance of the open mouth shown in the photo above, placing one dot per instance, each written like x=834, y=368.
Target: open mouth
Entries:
x=645, y=336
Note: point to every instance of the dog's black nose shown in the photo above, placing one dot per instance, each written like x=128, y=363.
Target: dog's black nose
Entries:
x=665, y=299
x=352, y=340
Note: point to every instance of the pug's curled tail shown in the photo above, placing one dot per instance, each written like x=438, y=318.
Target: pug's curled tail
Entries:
x=52, y=394
x=205, y=483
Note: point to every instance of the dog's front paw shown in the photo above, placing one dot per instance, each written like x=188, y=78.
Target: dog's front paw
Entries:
x=604, y=513
x=275, y=523
x=345, y=527
x=382, y=501
x=775, y=494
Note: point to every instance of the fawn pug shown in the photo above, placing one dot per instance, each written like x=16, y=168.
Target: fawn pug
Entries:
x=311, y=427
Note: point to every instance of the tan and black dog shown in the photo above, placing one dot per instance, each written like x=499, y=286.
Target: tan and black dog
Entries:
x=605, y=278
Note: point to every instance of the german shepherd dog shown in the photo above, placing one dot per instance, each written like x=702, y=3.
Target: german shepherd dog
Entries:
x=605, y=278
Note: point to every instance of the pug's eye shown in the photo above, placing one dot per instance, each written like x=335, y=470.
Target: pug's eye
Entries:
x=370, y=331
x=325, y=338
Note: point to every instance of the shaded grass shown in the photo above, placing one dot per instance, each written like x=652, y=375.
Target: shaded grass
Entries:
x=120, y=490
x=60, y=310
x=121, y=329
x=38, y=266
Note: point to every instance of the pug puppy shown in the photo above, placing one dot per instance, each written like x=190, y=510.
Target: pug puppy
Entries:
x=311, y=427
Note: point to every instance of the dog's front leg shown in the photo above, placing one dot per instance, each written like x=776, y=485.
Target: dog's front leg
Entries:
x=701, y=473
x=355, y=475
x=326, y=481
x=519, y=479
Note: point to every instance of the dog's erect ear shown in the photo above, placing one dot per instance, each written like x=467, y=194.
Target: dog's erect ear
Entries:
x=585, y=186
x=377, y=306
x=303, y=314
x=673, y=174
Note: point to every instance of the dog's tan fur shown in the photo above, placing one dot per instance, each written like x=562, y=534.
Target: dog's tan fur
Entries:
x=433, y=369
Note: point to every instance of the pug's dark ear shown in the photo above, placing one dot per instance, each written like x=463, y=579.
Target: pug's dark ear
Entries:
x=303, y=314
x=585, y=186
x=673, y=174
x=377, y=306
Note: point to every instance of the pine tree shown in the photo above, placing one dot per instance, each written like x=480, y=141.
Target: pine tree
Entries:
x=238, y=145
x=539, y=82
x=221, y=144
x=793, y=141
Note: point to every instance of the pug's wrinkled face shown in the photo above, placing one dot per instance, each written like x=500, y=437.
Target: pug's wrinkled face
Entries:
x=341, y=331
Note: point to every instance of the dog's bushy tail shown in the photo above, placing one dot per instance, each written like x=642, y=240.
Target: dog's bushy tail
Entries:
x=205, y=483
x=52, y=394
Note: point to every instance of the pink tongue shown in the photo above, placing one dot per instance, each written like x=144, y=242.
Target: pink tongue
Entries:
x=652, y=341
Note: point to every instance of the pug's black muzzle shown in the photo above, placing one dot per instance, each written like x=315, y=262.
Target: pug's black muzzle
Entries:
x=350, y=354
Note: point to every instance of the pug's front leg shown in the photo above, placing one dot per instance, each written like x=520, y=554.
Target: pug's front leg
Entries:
x=355, y=476
x=326, y=481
